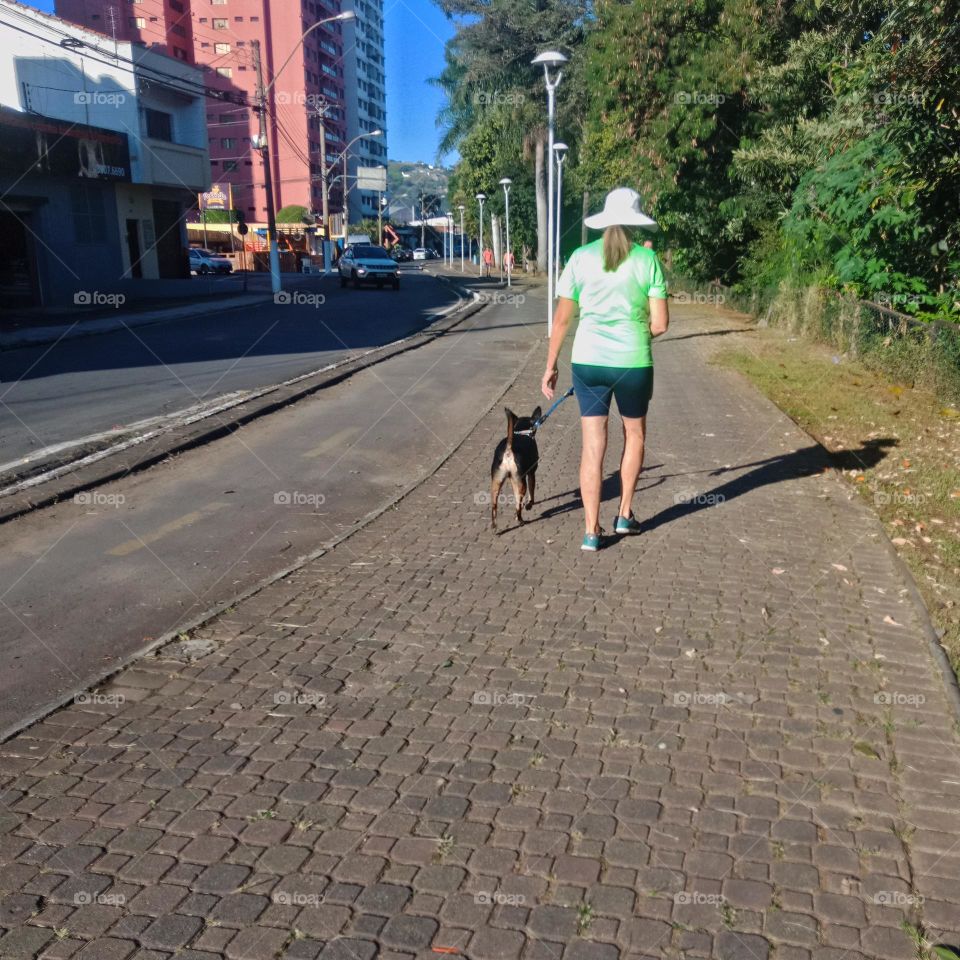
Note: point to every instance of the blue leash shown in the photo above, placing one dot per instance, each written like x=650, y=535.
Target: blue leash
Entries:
x=538, y=423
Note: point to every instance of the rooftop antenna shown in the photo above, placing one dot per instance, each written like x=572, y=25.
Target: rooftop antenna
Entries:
x=112, y=17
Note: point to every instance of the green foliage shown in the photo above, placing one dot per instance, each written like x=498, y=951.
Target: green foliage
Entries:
x=812, y=142
x=293, y=213
x=218, y=216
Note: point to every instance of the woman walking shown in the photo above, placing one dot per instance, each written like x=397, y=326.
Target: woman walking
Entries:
x=622, y=297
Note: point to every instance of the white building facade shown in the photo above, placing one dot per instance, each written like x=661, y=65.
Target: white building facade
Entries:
x=103, y=148
x=366, y=102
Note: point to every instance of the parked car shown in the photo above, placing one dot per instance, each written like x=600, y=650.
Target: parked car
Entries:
x=421, y=253
x=203, y=262
x=401, y=254
x=368, y=264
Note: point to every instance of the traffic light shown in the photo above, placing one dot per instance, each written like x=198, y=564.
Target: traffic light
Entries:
x=241, y=222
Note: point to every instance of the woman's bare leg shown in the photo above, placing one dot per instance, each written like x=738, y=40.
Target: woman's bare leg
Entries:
x=591, y=469
x=634, y=434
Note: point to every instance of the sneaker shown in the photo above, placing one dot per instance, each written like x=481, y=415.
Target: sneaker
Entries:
x=626, y=525
x=591, y=542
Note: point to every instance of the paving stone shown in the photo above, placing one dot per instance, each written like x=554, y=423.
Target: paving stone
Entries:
x=171, y=932
x=107, y=949
x=385, y=899
x=730, y=945
x=409, y=933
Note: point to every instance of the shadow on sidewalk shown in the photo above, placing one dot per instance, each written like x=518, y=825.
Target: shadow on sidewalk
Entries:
x=805, y=462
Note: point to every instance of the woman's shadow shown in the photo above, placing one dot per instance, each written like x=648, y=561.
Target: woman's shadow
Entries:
x=795, y=465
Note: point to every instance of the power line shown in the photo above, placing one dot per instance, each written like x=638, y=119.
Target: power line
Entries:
x=173, y=82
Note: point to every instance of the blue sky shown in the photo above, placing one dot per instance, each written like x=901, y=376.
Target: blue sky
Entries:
x=416, y=32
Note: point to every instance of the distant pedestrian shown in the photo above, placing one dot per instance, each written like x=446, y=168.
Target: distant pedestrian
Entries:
x=487, y=262
x=508, y=261
x=619, y=288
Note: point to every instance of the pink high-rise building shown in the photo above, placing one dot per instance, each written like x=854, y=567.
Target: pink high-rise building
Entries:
x=218, y=36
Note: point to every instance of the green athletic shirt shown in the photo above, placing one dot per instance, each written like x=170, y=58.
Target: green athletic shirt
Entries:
x=614, y=327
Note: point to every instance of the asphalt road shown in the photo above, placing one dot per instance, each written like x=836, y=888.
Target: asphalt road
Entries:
x=85, y=584
x=60, y=393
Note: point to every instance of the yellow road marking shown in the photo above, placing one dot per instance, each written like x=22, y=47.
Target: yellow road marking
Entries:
x=139, y=543
x=336, y=440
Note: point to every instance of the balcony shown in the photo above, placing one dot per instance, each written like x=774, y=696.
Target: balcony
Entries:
x=172, y=164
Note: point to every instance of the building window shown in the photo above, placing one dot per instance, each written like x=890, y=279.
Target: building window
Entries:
x=229, y=166
x=221, y=48
x=89, y=218
x=228, y=143
x=159, y=124
x=219, y=24
x=225, y=72
x=138, y=22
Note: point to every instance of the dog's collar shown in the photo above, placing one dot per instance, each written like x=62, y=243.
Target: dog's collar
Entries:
x=525, y=433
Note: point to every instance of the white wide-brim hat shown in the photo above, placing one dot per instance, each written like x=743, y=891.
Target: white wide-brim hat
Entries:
x=622, y=207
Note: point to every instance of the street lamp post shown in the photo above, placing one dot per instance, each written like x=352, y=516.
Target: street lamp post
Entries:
x=461, y=208
x=506, y=183
x=560, y=149
x=380, y=206
x=346, y=180
x=262, y=142
x=556, y=60
x=481, y=197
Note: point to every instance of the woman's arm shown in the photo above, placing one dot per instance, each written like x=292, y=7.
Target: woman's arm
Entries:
x=659, y=316
x=561, y=323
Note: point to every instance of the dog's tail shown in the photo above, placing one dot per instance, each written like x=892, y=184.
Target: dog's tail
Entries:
x=511, y=423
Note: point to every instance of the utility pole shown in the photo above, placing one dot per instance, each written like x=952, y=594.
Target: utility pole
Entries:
x=325, y=185
x=264, y=149
x=423, y=223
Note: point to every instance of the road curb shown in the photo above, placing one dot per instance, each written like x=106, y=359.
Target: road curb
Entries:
x=36, y=716
x=77, y=476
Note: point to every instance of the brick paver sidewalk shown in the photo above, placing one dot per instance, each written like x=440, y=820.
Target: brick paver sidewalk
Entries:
x=726, y=738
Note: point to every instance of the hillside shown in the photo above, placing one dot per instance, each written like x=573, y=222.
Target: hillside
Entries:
x=406, y=180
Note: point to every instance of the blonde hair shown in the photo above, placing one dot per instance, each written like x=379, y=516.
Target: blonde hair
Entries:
x=617, y=243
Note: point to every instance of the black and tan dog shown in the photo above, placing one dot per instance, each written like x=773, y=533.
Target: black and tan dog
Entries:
x=516, y=458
